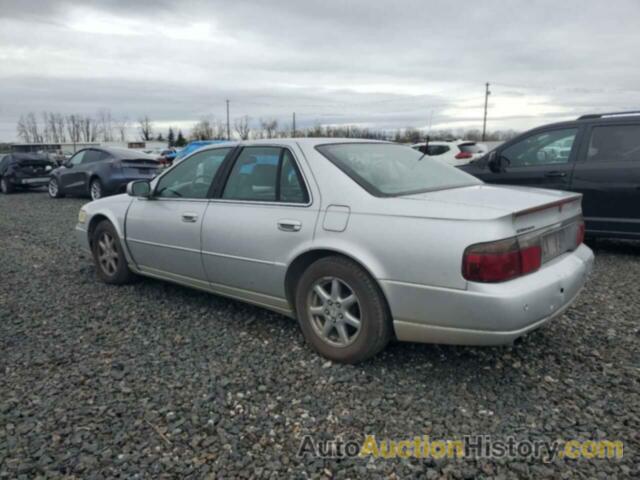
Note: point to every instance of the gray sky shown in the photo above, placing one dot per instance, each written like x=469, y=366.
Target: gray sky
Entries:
x=381, y=64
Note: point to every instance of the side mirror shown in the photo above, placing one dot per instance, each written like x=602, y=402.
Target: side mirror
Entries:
x=67, y=165
x=494, y=162
x=139, y=188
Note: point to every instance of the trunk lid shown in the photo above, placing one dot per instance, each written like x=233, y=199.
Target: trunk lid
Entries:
x=531, y=208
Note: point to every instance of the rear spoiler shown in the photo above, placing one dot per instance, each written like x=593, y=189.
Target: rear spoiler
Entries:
x=559, y=204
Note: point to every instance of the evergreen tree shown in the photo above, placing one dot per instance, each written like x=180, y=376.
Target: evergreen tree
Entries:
x=171, y=138
x=180, y=141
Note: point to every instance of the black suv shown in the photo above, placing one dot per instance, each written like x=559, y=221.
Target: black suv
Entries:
x=596, y=155
x=102, y=171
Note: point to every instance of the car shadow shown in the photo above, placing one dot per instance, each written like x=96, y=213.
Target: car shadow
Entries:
x=610, y=245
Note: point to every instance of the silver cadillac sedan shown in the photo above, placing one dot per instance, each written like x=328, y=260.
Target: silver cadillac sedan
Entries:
x=361, y=241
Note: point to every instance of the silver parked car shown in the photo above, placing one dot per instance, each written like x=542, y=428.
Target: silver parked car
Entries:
x=360, y=241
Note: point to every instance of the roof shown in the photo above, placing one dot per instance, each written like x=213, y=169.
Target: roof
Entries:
x=125, y=153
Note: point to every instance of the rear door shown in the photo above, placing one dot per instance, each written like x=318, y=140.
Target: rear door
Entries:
x=543, y=159
x=608, y=176
x=265, y=212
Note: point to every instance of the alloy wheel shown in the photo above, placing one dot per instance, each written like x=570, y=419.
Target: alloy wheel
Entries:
x=53, y=188
x=334, y=311
x=108, y=254
x=96, y=190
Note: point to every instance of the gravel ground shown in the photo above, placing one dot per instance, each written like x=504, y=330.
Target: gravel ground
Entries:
x=154, y=380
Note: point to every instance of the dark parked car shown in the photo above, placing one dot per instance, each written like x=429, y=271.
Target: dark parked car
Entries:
x=24, y=170
x=99, y=172
x=597, y=155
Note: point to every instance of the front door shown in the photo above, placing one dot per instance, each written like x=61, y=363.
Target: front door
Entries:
x=608, y=176
x=72, y=177
x=264, y=214
x=163, y=231
x=543, y=159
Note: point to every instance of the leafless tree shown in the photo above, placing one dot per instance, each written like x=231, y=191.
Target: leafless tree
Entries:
x=269, y=127
x=88, y=128
x=29, y=130
x=23, y=131
x=220, y=131
x=146, y=128
x=203, y=130
x=122, y=126
x=241, y=126
x=105, y=125
x=73, y=127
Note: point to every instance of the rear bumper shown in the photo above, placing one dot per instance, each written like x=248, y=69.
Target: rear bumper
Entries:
x=29, y=181
x=488, y=314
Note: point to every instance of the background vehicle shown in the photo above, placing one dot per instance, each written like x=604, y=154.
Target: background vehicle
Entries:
x=24, y=170
x=597, y=155
x=455, y=153
x=99, y=172
x=193, y=146
x=356, y=239
x=167, y=156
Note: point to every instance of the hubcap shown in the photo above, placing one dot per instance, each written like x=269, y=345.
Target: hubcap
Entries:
x=53, y=188
x=334, y=311
x=107, y=254
x=96, y=193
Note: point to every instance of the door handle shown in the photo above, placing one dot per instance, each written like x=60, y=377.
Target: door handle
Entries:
x=555, y=174
x=189, y=217
x=289, y=225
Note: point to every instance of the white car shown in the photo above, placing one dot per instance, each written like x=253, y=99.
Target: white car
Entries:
x=455, y=153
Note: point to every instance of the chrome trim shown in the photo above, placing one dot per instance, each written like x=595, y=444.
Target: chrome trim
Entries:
x=155, y=244
x=245, y=259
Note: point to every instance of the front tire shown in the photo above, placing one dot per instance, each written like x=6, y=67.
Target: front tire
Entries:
x=96, y=191
x=5, y=186
x=109, y=258
x=54, y=188
x=341, y=311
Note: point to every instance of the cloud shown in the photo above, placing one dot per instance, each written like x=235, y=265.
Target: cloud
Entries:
x=384, y=64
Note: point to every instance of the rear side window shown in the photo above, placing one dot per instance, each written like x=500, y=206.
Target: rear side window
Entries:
x=265, y=174
x=614, y=143
x=92, y=156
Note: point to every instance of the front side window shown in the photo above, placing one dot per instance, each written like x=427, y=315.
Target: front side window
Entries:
x=265, y=174
x=386, y=169
x=552, y=147
x=613, y=143
x=92, y=156
x=78, y=157
x=193, y=177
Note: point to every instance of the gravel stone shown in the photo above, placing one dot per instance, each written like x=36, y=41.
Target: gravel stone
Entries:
x=153, y=380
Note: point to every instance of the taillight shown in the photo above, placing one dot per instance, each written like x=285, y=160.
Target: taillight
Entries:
x=464, y=155
x=500, y=261
x=580, y=236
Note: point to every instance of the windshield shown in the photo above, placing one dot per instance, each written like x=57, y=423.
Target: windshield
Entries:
x=387, y=169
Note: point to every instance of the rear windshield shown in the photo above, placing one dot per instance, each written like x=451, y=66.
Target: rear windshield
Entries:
x=470, y=148
x=386, y=169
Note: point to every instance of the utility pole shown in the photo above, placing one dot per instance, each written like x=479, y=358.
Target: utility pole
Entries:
x=486, y=103
x=228, y=125
x=294, y=125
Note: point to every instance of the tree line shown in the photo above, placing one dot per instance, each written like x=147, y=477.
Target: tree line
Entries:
x=53, y=127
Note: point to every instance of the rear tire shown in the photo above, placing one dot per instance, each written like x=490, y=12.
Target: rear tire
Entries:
x=108, y=256
x=5, y=186
x=54, y=188
x=96, y=191
x=342, y=311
